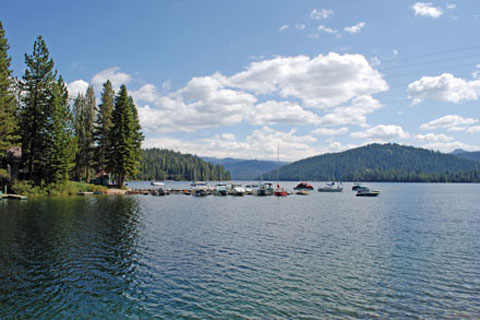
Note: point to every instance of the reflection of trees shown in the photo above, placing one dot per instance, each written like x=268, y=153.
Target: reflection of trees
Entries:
x=64, y=251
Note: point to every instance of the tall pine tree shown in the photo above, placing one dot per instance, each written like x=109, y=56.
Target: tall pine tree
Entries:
x=37, y=86
x=125, y=137
x=103, y=125
x=8, y=102
x=61, y=139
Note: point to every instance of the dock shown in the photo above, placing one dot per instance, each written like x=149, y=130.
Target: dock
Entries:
x=13, y=197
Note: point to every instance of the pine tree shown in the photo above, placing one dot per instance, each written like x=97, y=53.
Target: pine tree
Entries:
x=125, y=138
x=103, y=125
x=61, y=142
x=84, y=119
x=36, y=100
x=8, y=102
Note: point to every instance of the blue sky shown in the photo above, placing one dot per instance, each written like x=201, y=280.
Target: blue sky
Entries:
x=235, y=78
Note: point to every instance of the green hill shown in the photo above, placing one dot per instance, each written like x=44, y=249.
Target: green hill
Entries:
x=470, y=155
x=161, y=164
x=387, y=162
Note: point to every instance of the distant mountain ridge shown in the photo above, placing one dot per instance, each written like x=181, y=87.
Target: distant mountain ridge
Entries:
x=383, y=162
x=243, y=169
x=470, y=155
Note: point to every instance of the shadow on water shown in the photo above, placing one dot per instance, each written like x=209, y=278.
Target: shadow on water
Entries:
x=66, y=254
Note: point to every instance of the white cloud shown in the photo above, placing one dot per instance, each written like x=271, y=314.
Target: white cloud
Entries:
x=320, y=14
x=375, y=62
x=148, y=93
x=381, y=133
x=326, y=29
x=329, y=132
x=259, y=144
x=281, y=112
x=448, y=122
x=443, y=88
x=113, y=74
x=353, y=113
x=321, y=82
x=76, y=87
x=300, y=26
x=473, y=129
x=395, y=53
x=431, y=137
x=284, y=27
x=356, y=28
x=427, y=9
x=449, y=146
x=451, y=6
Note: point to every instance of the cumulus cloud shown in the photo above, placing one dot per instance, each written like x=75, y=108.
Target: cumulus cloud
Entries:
x=281, y=112
x=326, y=29
x=76, y=87
x=148, y=93
x=473, y=129
x=431, y=137
x=283, y=28
x=300, y=26
x=320, y=14
x=448, y=122
x=353, y=113
x=381, y=133
x=427, y=9
x=113, y=74
x=443, y=88
x=329, y=132
x=259, y=144
x=321, y=82
x=355, y=28
x=449, y=146
x=451, y=6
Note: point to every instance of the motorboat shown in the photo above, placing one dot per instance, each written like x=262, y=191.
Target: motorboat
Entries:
x=367, y=193
x=221, y=190
x=302, y=192
x=198, y=183
x=357, y=186
x=304, y=186
x=236, y=190
x=265, y=189
x=161, y=192
x=280, y=192
x=331, y=187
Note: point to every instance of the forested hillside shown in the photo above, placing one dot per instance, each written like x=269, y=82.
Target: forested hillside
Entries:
x=474, y=155
x=161, y=164
x=388, y=162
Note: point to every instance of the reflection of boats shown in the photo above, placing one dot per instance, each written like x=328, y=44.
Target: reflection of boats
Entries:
x=236, y=190
x=331, y=187
x=221, y=190
x=157, y=183
x=265, y=189
x=303, y=186
x=367, y=193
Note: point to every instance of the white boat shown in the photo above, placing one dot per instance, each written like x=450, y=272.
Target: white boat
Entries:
x=221, y=190
x=198, y=183
x=157, y=183
x=265, y=189
x=367, y=193
x=236, y=190
x=331, y=187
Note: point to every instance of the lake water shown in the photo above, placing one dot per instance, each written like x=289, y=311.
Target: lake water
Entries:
x=412, y=252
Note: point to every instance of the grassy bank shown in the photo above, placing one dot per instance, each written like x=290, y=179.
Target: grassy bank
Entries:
x=26, y=188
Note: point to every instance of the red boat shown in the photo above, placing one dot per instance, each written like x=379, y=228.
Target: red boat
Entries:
x=280, y=192
x=303, y=186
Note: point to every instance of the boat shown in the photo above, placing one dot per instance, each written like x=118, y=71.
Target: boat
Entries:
x=303, y=186
x=199, y=192
x=331, y=187
x=161, y=192
x=236, y=190
x=367, y=193
x=357, y=186
x=265, y=189
x=157, y=183
x=302, y=192
x=280, y=192
x=198, y=183
x=221, y=190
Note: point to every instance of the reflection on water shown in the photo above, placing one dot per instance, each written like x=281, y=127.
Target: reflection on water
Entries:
x=412, y=252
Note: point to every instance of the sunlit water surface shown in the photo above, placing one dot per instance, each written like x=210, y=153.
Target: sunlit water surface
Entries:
x=412, y=252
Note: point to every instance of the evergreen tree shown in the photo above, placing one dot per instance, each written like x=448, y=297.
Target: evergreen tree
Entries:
x=84, y=120
x=125, y=138
x=36, y=100
x=103, y=125
x=8, y=102
x=61, y=142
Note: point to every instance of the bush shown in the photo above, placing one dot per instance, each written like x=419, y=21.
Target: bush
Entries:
x=55, y=189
